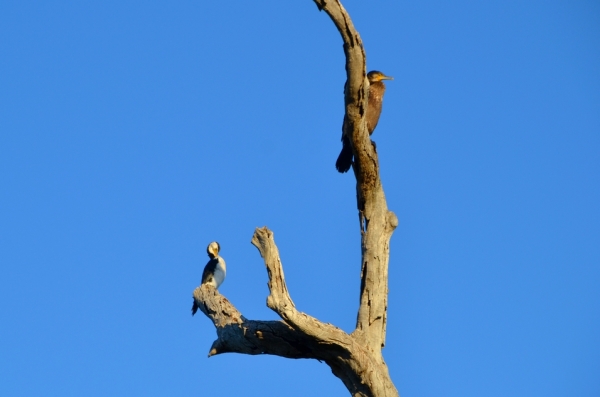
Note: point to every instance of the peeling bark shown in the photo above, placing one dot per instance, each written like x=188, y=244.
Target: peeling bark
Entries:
x=354, y=358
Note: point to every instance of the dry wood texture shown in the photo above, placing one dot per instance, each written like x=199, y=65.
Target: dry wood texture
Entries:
x=355, y=358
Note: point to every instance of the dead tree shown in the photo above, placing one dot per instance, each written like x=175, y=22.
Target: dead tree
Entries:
x=355, y=358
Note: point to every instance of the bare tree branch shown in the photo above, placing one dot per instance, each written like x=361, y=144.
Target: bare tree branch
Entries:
x=238, y=335
x=377, y=223
x=356, y=91
x=356, y=358
x=298, y=336
x=279, y=300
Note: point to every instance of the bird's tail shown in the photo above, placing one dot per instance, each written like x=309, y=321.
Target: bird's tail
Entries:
x=344, y=160
x=194, y=308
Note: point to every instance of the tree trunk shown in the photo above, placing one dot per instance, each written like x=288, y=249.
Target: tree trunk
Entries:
x=354, y=358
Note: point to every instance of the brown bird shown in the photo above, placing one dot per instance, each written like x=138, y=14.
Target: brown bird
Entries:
x=376, y=91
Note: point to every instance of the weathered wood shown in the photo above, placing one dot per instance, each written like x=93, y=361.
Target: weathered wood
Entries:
x=377, y=223
x=354, y=358
x=237, y=334
x=298, y=336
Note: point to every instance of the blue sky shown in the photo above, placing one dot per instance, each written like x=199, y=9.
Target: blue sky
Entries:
x=134, y=133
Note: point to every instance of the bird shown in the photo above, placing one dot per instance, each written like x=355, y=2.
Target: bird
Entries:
x=214, y=271
x=376, y=91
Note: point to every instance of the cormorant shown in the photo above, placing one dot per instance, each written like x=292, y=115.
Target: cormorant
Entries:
x=214, y=271
x=376, y=91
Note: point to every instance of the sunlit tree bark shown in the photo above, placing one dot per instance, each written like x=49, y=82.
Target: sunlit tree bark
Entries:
x=355, y=358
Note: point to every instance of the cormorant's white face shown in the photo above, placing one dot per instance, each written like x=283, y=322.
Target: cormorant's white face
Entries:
x=213, y=249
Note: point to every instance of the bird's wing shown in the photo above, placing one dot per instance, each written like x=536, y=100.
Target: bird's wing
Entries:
x=209, y=269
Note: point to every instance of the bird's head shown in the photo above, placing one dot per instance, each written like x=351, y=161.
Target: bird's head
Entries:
x=213, y=249
x=375, y=75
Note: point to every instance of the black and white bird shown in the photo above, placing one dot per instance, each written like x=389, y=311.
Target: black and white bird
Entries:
x=214, y=271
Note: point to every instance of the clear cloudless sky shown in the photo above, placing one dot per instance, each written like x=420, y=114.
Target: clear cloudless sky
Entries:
x=134, y=133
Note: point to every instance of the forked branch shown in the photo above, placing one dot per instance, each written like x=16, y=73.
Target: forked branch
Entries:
x=356, y=358
x=377, y=223
x=297, y=336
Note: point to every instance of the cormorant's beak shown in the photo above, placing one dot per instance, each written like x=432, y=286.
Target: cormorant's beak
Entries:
x=387, y=77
